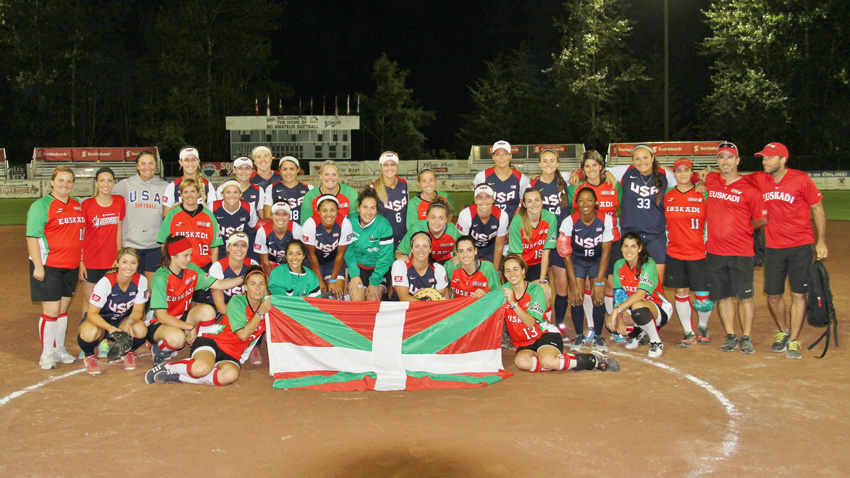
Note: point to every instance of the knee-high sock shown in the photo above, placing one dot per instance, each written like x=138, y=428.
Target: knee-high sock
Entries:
x=560, y=308
x=137, y=342
x=183, y=367
x=567, y=361
x=87, y=347
x=598, y=319
x=577, y=312
x=652, y=331
x=61, y=329
x=47, y=332
x=703, y=316
x=588, y=309
x=683, y=309
x=609, y=304
x=583, y=362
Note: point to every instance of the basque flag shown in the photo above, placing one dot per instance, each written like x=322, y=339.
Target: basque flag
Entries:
x=343, y=346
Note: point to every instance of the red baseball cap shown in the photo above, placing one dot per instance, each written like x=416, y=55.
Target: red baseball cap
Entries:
x=683, y=162
x=774, y=149
x=727, y=146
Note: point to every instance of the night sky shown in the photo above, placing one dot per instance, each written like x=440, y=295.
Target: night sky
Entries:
x=329, y=47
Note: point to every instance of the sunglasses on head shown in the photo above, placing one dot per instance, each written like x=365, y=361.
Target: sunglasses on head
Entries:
x=727, y=145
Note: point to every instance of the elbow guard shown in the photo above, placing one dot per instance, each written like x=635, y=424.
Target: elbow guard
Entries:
x=564, y=245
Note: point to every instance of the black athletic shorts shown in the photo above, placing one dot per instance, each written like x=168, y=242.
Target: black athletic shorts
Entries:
x=730, y=276
x=57, y=283
x=533, y=273
x=94, y=275
x=549, y=338
x=149, y=259
x=793, y=263
x=206, y=343
x=682, y=274
x=366, y=274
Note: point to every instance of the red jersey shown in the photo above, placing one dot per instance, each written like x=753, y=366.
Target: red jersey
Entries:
x=685, y=212
x=731, y=208
x=173, y=292
x=542, y=237
x=607, y=198
x=629, y=280
x=789, y=205
x=533, y=302
x=59, y=227
x=464, y=285
x=200, y=227
x=100, y=243
x=239, y=313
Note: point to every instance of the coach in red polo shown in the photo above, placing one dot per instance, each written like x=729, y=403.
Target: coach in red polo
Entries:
x=789, y=195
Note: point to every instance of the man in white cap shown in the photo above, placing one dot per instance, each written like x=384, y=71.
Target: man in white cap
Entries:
x=508, y=184
x=487, y=225
x=790, y=196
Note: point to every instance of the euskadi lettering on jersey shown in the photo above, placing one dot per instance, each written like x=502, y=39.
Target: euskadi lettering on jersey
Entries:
x=778, y=196
x=724, y=196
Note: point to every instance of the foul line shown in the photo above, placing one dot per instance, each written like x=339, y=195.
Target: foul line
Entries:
x=13, y=395
x=730, y=441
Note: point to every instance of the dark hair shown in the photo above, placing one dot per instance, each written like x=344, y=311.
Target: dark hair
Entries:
x=592, y=193
x=296, y=243
x=368, y=192
x=643, y=254
x=144, y=152
x=514, y=257
x=523, y=212
x=465, y=238
x=656, y=174
x=440, y=202
x=164, y=258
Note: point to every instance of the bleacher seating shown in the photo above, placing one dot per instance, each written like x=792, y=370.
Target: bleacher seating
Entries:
x=4, y=165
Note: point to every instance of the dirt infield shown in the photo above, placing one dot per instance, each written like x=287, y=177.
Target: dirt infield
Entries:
x=692, y=412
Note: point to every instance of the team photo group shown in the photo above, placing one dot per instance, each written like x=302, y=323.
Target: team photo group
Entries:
x=582, y=257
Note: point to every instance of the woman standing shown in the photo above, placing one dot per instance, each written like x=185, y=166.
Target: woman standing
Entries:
x=196, y=223
x=191, y=165
x=104, y=213
x=508, y=183
x=116, y=304
x=472, y=277
x=533, y=233
x=288, y=189
x=55, y=225
x=175, y=321
x=272, y=238
x=419, y=273
x=264, y=177
x=243, y=169
x=417, y=210
x=585, y=244
x=291, y=278
x=327, y=236
x=486, y=224
x=215, y=359
x=443, y=233
x=539, y=346
x=142, y=195
x=648, y=309
x=392, y=195
x=346, y=197
x=556, y=199
x=370, y=255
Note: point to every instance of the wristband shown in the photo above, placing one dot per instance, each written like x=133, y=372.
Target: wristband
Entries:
x=618, y=310
x=543, y=281
x=332, y=281
x=599, y=283
x=514, y=306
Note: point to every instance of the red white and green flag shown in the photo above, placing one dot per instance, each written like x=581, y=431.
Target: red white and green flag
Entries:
x=343, y=346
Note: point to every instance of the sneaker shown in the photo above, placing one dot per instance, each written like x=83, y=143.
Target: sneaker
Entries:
x=780, y=342
x=702, y=336
x=747, y=345
x=256, y=357
x=103, y=348
x=47, y=362
x=618, y=338
x=578, y=344
x=60, y=354
x=129, y=361
x=688, y=340
x=605, y=363
x=599, y=344
x=656, y=349
x=634, y=339
x=792, y=350
x=730, y=343
x=160, y=356
x=159, y=374
x=92, y=366
x=644, y=340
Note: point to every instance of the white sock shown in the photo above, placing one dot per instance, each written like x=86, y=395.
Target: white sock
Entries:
x=652, y=332
x=588, y=310
x=683, y=310
x=609, y=304
x=703, y=318
x=47, y=332
x=61, y=329
x=182, y=367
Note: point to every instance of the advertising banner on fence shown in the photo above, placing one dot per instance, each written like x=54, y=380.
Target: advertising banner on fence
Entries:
x=698, y=148
x=89, y=154
x=831, y=180
x=20, y=189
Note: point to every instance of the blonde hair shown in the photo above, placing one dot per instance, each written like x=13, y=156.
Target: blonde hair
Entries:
x=123, y=252
x=380, y=187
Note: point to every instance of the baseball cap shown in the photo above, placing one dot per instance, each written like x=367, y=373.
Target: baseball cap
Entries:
x=483, y=188
x=241, y=161
x=728, y=147
x=231, y=182
x=388, y=156
x=238, y=236
x=281, y=206
x=501, y=145
x=774, y=149
x=189, y=151
x=289, y=158
x=683, y=162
